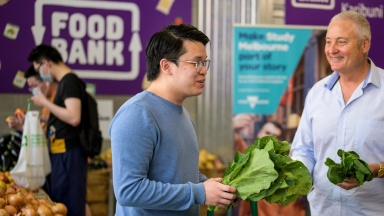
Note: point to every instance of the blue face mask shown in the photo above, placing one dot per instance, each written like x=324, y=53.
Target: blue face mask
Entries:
x=45, y=78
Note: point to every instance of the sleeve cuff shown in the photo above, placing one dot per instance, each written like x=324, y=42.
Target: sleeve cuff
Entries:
x=199, y=193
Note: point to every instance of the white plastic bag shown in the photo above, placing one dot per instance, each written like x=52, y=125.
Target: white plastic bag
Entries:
x=33, y=164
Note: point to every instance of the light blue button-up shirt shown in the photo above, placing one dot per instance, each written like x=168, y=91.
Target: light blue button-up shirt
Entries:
x=328, y=124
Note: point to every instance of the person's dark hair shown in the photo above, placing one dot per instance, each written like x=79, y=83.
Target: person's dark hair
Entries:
x=169, y=44
x=45, y=52
x=31, y=72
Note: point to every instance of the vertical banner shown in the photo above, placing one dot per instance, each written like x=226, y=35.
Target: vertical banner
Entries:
x=264, y=60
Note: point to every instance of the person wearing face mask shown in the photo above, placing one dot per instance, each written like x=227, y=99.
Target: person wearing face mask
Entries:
x=67, y=181
x=47, y=88
x=35, y=82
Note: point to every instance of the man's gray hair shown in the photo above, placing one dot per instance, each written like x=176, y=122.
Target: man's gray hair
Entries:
x=363, y=29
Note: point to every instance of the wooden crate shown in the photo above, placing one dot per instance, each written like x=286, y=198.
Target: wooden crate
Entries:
x=98, y=191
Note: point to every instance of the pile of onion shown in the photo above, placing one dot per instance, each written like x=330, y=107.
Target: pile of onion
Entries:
x=21, y=201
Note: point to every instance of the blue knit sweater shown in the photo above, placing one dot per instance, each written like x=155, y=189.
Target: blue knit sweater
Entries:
x=155, y=158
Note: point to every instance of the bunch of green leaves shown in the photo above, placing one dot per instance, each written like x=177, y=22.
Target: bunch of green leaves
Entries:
x=265, y=171
x=351, y=166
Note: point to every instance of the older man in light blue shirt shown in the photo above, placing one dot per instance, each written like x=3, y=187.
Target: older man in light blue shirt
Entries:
x=344, y=111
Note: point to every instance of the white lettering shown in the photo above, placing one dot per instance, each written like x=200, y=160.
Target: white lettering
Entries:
x=58, y=23
x=97, y=40
x=77, y=53
x=254, y=46
x=371, y=12
x=96, y=27
x=115, y=27
x=77, y=25
x=286, y=37
x=115, y=52
x=96, y=52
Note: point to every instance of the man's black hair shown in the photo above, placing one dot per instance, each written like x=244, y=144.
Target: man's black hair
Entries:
x=31, y=72
x=169, y=44
x=47, y=52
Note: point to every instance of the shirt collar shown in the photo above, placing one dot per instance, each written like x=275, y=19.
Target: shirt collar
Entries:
x=372, y=77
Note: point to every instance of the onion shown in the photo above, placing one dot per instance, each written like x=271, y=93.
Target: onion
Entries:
x=29, y=211
x=44, y=210
x=10, y=190
x=45, y=202
x=2, y=192
x=30, y=196
x=3, y=185
x=3, y=212
x=3, y=178
x=11, y=210
x=2, y=202
x=22, y=191
x=59, y=208
x=16, y=200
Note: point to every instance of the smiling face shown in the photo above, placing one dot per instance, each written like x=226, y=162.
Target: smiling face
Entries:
x=344, y=51
x=186, y=81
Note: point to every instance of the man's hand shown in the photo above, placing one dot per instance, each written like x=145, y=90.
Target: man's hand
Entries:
x=348, y=183
x=39, y=99
x=15, y=122
x=241, y=121
x=217, y=194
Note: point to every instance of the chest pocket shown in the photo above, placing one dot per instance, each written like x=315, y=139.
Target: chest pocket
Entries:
x=370, y=139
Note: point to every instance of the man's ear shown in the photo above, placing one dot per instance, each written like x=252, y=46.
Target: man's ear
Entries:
x=366, y=45
x=166, y=66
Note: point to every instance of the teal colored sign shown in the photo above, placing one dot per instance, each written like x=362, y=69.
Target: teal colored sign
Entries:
x=264, y=60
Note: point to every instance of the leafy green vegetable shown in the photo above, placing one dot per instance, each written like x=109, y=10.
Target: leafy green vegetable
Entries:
x=351, y=166
x=265, y=171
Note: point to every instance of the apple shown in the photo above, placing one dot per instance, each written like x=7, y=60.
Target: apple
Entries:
x=178, y=21
x=19, y=112
x=8, y=119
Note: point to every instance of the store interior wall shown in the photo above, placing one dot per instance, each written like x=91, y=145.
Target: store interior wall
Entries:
x=211, y=111
x=214, y=106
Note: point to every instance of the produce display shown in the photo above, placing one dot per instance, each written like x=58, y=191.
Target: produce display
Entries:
x=96, y=163
x=265, y=171
x=106, y=155
x=351, y=166
x=101, y=161
x=208, y=160
x=19, y=201
x=22, y=202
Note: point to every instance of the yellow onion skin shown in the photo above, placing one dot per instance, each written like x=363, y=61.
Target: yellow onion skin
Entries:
x=59, y=208
x=10, y=209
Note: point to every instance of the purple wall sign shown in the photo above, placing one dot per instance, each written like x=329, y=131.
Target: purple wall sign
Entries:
x=101, y=41
x=306, y=12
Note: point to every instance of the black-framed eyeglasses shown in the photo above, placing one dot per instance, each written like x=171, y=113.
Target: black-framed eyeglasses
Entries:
x=199, y=64
x=38, y=68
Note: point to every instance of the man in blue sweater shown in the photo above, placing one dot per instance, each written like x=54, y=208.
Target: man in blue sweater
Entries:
x=154, y=143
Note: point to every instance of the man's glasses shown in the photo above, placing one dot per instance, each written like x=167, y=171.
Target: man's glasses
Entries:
x=199, y=64
x=38, y=68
